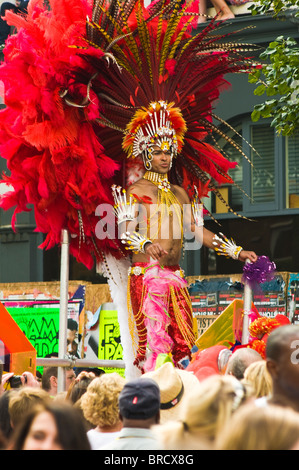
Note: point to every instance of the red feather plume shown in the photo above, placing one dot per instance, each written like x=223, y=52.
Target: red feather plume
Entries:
x=85, y=68
x=57, y=164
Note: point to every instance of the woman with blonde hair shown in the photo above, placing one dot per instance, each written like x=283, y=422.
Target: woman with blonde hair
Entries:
x=213, y=402
x=100, y=407
x=23, y=400
x=268, y=428
x=258, y=377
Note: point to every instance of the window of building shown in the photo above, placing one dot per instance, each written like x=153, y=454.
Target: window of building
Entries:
x=292, y=171
x=268, y=182
x=263, y=165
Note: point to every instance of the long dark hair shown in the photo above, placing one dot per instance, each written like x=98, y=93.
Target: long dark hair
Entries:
x=70, y=427
x=5, y=424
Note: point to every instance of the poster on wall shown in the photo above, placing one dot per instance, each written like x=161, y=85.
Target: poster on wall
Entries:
x=110, y=347
x=40, y=325
x=293, y=297
x=211, y=296
x=271, y=298
x=39, y=320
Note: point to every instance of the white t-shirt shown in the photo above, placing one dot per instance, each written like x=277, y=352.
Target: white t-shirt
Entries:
x=261, y=402
x=99, y=439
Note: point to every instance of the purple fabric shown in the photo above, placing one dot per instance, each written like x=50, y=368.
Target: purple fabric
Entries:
x=263, y=270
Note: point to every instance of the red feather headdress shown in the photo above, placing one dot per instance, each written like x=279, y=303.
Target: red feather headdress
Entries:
x=158, y=58
x=86, y=68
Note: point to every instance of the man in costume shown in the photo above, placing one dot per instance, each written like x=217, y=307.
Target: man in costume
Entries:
x=157, y=292
x=90, y=72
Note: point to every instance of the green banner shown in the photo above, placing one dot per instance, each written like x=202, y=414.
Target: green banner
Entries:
x=40, y=325
x=110, y=347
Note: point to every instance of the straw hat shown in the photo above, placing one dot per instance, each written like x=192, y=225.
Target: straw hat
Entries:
x=176, y=387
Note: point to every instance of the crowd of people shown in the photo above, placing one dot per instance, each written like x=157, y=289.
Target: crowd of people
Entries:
x=251, y=404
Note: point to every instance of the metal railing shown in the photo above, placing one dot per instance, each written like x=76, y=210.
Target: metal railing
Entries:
x=71, y=361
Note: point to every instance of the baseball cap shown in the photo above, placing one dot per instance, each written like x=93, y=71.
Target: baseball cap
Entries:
x=139, y=399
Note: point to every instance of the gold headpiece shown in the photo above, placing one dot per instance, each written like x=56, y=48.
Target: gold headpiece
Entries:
x=160, y=124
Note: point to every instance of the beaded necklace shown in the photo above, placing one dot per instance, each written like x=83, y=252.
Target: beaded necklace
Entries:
x=158, y=179
x=167, y=202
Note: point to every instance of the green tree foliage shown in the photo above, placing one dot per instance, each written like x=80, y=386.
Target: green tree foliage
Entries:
x=274, y=7
x=278, y=77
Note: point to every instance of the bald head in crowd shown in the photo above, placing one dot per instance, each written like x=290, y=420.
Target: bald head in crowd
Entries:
x=282, y=358
x=240, y=360
x=281, y=340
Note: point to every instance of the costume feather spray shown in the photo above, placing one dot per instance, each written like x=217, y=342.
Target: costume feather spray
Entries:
x=56, y=162
x=86, y=67
x=159, y=57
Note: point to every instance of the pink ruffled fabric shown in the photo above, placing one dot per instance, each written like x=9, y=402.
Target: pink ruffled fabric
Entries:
x=155, y=309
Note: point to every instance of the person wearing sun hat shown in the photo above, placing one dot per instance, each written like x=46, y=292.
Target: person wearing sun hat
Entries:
x=176, y=386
